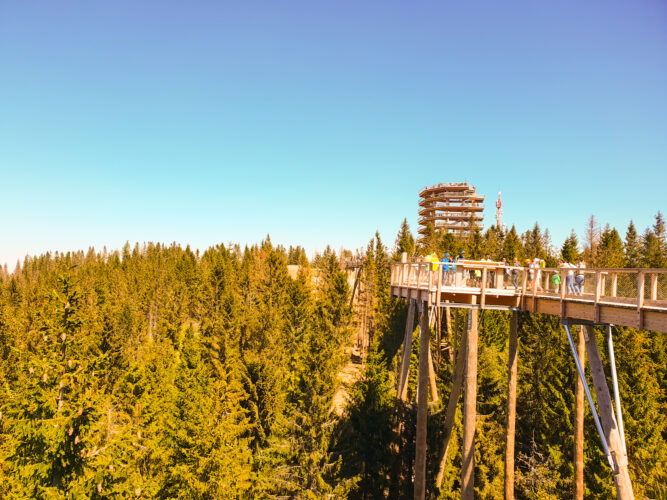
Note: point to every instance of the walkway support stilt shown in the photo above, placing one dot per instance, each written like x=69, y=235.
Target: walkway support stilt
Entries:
x=422, y=405
x=431, y=378
x=407, y=349
x=450, y=336
x=457, y=386
x=512, y=362
x=609, y=425
x=469, y=412
x=579, y=424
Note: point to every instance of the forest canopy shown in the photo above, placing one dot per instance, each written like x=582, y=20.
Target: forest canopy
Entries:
x=159, y=372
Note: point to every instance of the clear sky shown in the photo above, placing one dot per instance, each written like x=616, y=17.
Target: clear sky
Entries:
x=319, y=122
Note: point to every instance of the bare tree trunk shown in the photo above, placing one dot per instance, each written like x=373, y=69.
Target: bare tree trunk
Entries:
x=511, y=407
x=470, y=412
x=579, y=424
x=422, y=406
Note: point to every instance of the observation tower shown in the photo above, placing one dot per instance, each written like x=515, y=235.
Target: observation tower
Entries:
x=453, y=207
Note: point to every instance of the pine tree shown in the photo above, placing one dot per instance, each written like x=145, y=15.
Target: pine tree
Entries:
x=590, y=252
x=652, y=254
x=405, y=242
x=610, y=252
x=368, y=434
x=632, y=247
x=513, y=248
x=533, y=242
x=569, y=251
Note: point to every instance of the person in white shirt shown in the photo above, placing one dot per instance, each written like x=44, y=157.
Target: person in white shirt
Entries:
x=579, y=278
x=569, y=279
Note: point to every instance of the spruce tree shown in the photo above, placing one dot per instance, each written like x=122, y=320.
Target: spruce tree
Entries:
x=512, y=247
x=569, y=251
x=405, y=242
x=632, y=247
x=610, y=252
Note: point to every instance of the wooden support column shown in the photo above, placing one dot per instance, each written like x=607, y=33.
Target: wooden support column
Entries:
x=609, y=426
x=469, y=412
x=431, y=378
x=450, y=336
x=512, y=363
x=438, y=332
x=422, y=406
x=579, y=424
x=457, y=385
x=407, y=350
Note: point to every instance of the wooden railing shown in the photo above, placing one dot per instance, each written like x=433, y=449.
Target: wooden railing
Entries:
x=640, y=287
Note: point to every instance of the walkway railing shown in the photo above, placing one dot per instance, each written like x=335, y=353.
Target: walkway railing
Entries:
x=638, y=287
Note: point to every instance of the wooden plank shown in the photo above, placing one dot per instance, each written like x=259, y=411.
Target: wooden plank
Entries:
x=609, y=426
x=422, y=407
x=654, y=286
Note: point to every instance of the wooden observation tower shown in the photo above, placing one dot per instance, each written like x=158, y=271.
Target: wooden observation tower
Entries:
x=453, y=207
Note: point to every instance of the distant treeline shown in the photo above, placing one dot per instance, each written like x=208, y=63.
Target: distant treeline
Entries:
x=601, y=247
x=158, y=372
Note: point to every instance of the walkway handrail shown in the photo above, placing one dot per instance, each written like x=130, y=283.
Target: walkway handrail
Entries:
x=641, y=287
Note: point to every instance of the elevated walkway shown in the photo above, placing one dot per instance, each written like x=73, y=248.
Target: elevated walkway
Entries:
x=634, y=298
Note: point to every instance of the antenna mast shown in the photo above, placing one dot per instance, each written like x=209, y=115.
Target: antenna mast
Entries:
x=499, y=212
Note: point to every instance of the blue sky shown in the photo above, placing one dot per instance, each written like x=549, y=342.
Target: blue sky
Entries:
x=319, y=122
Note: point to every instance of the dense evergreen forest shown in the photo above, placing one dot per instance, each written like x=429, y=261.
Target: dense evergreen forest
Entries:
x=158, y=372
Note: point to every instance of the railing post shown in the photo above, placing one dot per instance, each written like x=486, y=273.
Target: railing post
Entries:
x=640, y=299
x=441, y=275
x=614, y=284
x=524, y=284
x=563, y=291
x=535, y=272
x=482, y=300
x=654, y=286
x=596, y=305
x=430, y=284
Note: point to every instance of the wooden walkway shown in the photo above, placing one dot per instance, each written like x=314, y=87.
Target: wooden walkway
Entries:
x=634, y=298
x=626, y=297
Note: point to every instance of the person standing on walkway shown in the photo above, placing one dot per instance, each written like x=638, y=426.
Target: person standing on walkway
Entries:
x=569, y=279
x=515, y=273
x=579, y=279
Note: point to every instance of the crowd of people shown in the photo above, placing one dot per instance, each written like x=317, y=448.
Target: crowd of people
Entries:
x=574, y=279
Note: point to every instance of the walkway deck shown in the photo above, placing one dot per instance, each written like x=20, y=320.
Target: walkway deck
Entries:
x=626, y=297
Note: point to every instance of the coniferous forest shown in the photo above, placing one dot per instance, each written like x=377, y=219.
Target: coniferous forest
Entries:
x=159, y=372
